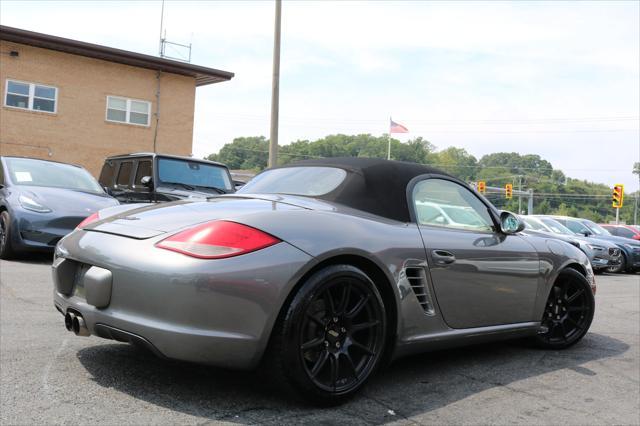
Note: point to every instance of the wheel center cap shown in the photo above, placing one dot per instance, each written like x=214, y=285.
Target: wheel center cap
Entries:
x=335, y=335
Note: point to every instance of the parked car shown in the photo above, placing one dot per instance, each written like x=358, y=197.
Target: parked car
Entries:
x=630, y=249
x=42, y=201
x=149, y=177
x=323, y=270
x=625, y=231
x=601, y=254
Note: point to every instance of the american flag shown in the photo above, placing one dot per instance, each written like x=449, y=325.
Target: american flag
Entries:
x=397, y=127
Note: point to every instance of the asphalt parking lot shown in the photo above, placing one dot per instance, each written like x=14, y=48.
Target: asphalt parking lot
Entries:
x=48, y=375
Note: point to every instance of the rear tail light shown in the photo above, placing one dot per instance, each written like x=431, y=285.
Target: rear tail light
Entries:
x=88, y=220
x=217, y=240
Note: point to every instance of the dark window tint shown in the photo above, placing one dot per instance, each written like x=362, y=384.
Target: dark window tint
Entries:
x=106, y=175
x=624, y=232
x=193, y=173
x=124, y=174
x=144, y=169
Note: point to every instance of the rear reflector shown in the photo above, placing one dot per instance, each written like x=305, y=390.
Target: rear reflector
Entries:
x=217, y=240
x=88, y=220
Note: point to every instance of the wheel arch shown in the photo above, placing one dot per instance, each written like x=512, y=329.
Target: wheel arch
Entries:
x=578, y=267
x=376, y=273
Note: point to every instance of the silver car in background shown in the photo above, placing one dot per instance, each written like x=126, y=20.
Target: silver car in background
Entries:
x=601, y=254
x=319, y=273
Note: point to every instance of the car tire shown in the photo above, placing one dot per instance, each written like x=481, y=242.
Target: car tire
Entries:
x=568, y=311
x=6, y=250
x=620, y=267
x=330, y=338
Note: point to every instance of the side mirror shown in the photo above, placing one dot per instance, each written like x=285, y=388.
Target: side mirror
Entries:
x=108, y=190
x=587, y=233
x=147, y=181
x=510, y=223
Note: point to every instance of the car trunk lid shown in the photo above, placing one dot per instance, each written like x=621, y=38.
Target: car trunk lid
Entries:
x=152, y=220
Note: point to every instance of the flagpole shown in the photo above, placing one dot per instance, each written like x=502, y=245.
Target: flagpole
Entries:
x=389, y=141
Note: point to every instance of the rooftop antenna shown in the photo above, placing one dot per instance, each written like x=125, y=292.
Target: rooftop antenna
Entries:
x=178, y=52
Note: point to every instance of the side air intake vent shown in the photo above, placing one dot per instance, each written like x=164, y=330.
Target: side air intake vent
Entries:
x=417, y=278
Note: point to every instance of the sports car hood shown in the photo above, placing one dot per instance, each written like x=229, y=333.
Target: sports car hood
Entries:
x=68, y=202
x=145, y=221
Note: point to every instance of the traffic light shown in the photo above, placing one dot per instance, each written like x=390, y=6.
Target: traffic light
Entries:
x=482, y=187
x=618, y=196
x=508, y=191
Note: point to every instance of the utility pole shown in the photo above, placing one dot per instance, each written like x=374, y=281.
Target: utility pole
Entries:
x=275, y=90
x=160, y=49
x=519, y=194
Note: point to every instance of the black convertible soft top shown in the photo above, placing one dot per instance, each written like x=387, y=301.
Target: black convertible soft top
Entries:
x=373, y=185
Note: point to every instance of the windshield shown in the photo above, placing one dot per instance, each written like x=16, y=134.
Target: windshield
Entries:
x=309, y=181
x=597, y=229
x=577, y=227
x=556, y=226
x=31, y=172
x=531, y=223
x=193, y=173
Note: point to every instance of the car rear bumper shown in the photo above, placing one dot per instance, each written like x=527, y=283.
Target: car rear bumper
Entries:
x=217, y=312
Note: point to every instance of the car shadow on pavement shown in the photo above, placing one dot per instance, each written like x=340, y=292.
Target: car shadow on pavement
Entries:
x=410, y=386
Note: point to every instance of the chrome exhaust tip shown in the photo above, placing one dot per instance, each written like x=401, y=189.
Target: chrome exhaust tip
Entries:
x=68, y=321
x=79, y=326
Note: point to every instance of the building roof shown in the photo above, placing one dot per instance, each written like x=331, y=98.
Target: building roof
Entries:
x=203, y=75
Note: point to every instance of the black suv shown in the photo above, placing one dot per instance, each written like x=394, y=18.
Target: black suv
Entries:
x=149, y=177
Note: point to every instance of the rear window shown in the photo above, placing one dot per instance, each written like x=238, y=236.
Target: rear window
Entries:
x=308, y=181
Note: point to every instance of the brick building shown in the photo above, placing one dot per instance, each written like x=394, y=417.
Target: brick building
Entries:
x=78, y=102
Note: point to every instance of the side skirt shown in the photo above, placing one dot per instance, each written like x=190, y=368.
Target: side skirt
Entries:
x=462, y=337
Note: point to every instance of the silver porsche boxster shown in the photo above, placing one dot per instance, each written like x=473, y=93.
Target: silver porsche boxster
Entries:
x=324, y=270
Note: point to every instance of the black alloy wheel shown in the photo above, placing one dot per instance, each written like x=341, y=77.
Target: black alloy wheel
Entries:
x=6, y=251
x=333, y=335
x=568, y=312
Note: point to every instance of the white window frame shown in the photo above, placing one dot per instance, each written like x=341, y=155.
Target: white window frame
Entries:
x=31, y=96
x=127, y=111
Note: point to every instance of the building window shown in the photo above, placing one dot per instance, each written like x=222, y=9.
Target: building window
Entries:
x=131, y=111
x=30, y=96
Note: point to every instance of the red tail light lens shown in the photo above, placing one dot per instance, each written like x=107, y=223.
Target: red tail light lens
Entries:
x=88, y=220
x=217, y=240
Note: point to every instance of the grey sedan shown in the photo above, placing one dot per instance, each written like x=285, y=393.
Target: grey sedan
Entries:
x=321, y=272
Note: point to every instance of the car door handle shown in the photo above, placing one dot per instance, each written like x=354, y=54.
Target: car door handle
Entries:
x=443, y=257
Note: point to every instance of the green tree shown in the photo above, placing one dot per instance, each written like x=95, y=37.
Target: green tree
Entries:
x=456, y=161
x=247, y=153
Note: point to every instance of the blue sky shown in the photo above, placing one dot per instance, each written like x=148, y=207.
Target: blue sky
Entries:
x=558, y=79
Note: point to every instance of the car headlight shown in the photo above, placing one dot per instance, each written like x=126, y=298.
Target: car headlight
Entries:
x=31, y=204
x=595, y=247
x=632, y=246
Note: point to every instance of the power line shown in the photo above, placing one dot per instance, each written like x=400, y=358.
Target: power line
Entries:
x=443, y=165
x=417, y=121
